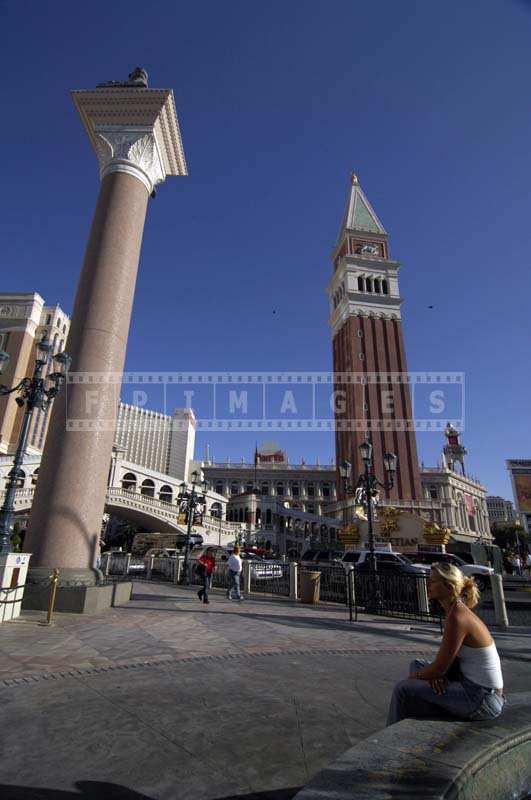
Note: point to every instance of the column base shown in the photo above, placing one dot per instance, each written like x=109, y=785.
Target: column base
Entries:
x=77, y=591
x=69, y=577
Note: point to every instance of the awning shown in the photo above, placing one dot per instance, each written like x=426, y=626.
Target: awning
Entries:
x=462, y=537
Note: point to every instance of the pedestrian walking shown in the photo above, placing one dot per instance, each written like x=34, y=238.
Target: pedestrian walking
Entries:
x=235, y=567
x=465, y=679
x=528, y=563
x=207, y=562
x=518, y=564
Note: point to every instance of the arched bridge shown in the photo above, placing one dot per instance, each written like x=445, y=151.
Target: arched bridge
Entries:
x=150, y=513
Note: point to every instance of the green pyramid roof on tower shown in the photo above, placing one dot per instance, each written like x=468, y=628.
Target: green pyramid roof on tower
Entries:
x=359, y=214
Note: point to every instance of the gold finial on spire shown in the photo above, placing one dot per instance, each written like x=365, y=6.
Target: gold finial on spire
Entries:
x=354, y=179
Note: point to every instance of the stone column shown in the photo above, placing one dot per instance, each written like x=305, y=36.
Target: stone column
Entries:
x=135, y=134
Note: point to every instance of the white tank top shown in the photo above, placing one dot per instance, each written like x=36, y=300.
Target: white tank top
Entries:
x=481, y=665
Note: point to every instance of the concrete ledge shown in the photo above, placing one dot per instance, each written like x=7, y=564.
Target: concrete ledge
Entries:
x=436, y=760
x=80, y=599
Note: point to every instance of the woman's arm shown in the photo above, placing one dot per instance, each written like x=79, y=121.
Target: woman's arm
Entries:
x=454, y=634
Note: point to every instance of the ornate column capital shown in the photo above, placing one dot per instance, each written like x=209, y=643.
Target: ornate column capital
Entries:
x=133, y=130
x=132, y=150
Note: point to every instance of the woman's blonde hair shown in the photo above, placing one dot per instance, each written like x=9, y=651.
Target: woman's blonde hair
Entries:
x=463, y=586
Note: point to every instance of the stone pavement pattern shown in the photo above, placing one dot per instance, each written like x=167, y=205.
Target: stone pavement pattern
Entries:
x=165, y=698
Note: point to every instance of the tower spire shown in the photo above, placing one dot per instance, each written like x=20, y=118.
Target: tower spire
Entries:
x=359, y=215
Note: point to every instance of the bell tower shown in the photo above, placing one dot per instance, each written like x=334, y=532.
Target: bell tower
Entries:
x=372, y=396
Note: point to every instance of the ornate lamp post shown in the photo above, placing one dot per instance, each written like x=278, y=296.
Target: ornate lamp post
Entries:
x=35, y=392
x=366, y=491
x=368, y=485
x=190, y=500
x=345, y=471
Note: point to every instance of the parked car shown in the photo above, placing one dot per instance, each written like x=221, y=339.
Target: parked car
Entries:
x=387, y=562
x=162, y=552
x=263, y=569
x=480, y=573
x=317, y=558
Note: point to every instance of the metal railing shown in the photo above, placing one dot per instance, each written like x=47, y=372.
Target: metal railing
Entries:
x=270, y=577
x=391, y=595
x=333, y=583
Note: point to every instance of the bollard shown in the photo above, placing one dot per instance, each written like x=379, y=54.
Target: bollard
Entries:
x=246, y=577
x=149, y=568
x=178, y=566
x=293, y=595
x=498, y=598
x=422, y=596
x=53, y=592
x=351, y=593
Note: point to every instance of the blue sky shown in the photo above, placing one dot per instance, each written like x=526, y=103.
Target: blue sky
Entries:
x=278, y=102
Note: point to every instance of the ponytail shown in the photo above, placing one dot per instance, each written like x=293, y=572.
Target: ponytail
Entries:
x=470, y=592
x=463, y=586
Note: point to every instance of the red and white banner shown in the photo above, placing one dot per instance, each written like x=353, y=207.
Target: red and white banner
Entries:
x=469, y=500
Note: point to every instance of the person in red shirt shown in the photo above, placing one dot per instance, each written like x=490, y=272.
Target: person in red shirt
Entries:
x=208, y=562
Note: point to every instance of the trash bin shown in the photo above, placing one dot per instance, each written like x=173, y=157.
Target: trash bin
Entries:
x=310, y=587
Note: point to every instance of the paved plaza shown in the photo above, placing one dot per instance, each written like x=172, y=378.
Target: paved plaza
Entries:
x=165, y=698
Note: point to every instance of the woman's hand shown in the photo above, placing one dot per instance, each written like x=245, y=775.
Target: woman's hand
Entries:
x=439, y=685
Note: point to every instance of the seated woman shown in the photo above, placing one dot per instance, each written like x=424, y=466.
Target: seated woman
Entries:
x=465, y=680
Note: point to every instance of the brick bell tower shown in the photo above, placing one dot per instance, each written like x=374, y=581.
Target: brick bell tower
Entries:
x=372, y=398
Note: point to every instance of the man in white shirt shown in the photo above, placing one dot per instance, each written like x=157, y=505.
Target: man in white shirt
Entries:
x=235, y=570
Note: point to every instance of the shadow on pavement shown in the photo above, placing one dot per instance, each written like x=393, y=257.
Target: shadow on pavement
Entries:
x=274, y=794
x=293, y=621
x=88, y=790
x=97, y=790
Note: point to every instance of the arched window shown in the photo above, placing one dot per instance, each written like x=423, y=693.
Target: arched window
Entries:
x=247, y=515
x=166, y=494
x=294, y=489
x=268, y=516
x=385, y=288
x=147, y=488
x=240, y=515
x=216, y=510
x=249, y=488
x=265, y=488
x=368, y=284
x=234, y=488
x=34, y=477
x=129, y=482
x=280, y=489
x=326, y=490
x=360, y=284
x=219, y=487
x=258, y=515
x=377, y=285
x=311, y=490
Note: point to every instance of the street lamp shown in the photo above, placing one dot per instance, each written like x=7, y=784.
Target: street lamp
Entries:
x=368, y=485
x=35, y=392
x=190, y=500
x=345, y=471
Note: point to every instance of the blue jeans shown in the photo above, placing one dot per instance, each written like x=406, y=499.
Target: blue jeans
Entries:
x=234, y=585
x=464, y=699
x=203, y=592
